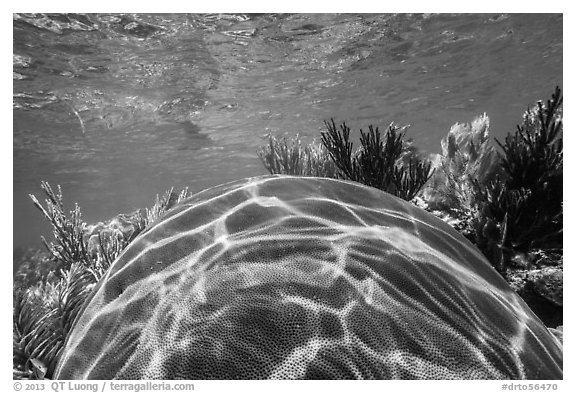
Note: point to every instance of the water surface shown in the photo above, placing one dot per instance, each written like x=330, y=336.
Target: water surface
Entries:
x=118, y=108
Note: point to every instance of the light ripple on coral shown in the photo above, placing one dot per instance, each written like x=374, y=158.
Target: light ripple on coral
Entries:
x=225, y=286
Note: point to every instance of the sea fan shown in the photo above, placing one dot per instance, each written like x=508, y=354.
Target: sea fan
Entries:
x=467, y=156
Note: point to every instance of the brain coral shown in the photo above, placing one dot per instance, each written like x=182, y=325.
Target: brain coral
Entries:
x=291, y=277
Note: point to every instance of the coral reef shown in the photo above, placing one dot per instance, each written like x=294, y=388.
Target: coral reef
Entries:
x=33, y=267
x=467, y=156
x=521, y=209
x=289, y=157
x=377, y=163
x=509, y=204
x=538, y=279
x=391, y=165
x=70, y=246
x=290, y=277
x=50, y=288
x=43, y=317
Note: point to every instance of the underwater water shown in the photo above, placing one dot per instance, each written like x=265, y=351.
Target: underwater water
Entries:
x=118, y=108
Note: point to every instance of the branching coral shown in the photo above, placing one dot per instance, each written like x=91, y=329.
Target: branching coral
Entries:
x=391, y=165
x=43, y=316
x=289, y=157
x=377, y=163
x=524, y=205
x=50, y=290
x=162, y=205
x=68, y=231
x=533, y=155
x=506, y=203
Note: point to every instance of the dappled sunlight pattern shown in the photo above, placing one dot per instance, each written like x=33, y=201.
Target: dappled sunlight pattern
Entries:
x=290, y=277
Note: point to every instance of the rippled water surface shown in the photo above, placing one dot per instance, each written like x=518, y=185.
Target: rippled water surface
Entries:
x=117, y=108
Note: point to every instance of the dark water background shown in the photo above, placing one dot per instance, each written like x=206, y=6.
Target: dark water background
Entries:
x=118, y=108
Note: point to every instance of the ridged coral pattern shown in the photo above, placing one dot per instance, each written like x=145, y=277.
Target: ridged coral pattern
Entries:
x=290, y=277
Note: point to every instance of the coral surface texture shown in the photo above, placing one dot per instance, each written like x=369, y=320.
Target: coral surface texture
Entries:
x=284, y=277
